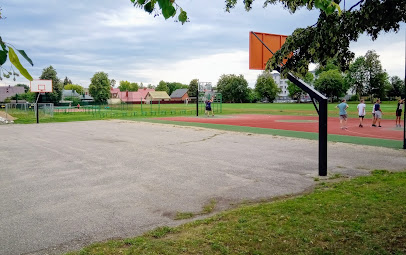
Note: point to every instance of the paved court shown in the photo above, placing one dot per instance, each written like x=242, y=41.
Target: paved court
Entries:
x=65, y=185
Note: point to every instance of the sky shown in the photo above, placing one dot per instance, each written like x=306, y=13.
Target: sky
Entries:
x=82, y=37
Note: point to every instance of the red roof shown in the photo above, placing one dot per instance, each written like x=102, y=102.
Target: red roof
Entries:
x=132, y=96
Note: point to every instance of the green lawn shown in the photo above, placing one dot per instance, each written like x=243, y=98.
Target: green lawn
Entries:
x=365, y=215
x=150, y=111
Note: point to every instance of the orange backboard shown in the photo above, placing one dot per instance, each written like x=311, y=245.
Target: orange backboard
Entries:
x=259, y=54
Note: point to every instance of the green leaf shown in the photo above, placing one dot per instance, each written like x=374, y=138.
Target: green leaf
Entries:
x=182, y=16
x=3, y=57
x=163, y=4
x=26, y=57
x=337, y=6
x=149, y=7
x=141, y=2
x=3, y=45
x=169, y=11
x=16, y=62
x=318, y=4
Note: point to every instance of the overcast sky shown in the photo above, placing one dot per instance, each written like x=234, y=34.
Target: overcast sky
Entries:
x=81, y=37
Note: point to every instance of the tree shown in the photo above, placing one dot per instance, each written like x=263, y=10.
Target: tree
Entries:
x=79, y=89
x=193, y=87
x=332, y=64
x=331, y=83
x=172, y=86
x=357, y=76
x=99, y=87
x=128, y=86
x=295, y=92
x=233, y=88
x=266, y=86
x=66, y=81
x=26, y=87
x=329, y=38
x=253, y=96
x=112, y=83
x=397, y=87
x=162, y=86
x=377, y=78
x=55, y=96
x=28, y=96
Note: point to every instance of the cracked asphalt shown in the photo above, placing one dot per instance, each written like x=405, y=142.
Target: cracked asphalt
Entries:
x=66, y=185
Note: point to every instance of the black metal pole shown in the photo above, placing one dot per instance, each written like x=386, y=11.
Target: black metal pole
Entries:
x=404, y=104
x=323, y=137
x=36, y=108
x=197, y=100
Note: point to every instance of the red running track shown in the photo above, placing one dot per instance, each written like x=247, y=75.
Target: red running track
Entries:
x=303, y=123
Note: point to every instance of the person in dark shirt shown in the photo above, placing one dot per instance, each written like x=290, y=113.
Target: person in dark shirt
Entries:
x=208, y=107
x=378, y=114
x=399, y=109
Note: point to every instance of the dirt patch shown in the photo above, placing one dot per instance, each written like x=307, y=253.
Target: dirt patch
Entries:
x=6, y=116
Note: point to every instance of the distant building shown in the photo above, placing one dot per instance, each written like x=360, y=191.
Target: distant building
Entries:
x=130, y=97
x=8, y=91
x=155, y=96
x=283, y=85
x=283, y=96
x=179, y=95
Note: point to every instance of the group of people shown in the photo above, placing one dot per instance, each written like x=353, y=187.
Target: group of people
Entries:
x=376, y=113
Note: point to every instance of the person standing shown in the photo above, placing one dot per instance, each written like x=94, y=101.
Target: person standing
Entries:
x=343, y=113
x=373, y=113
x=208, y=107
x=378, y=114
x=361, y=112
x=399, y=109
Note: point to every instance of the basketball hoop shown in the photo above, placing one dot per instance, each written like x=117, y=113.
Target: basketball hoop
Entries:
x=41, y=86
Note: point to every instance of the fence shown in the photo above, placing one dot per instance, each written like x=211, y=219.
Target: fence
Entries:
x=43, y=108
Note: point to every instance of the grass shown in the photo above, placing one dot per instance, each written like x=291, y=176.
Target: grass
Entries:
x=207, y=209
x=127, y=111
x=364, y=215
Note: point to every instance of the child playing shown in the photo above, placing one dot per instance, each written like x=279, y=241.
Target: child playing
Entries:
x=361, y=112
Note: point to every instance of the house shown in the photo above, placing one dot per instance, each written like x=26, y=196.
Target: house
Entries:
x=155, y=96
x=180, y=95
x=8, y=91
x=129, y=97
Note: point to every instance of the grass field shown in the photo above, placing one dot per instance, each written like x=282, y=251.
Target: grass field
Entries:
x=365, y=215
x=150, y=111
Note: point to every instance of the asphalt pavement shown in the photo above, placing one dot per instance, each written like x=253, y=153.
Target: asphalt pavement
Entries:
x=66, y=185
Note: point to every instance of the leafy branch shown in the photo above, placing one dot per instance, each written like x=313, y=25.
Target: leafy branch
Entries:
x=10, y=51
x=168, y=8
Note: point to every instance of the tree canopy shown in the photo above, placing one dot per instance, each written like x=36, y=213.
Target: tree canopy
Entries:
x=99, y=87
x=331, y=83
x=266, y=86
x=128, y=86
x=329, y=38
x=79, y=89
x=162, y=86
x=193, y=87
x=234, y=88
x=55, y=96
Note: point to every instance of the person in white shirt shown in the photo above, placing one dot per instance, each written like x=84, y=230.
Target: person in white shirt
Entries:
x=361, y=112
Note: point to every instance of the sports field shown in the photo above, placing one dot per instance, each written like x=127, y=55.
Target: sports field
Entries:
x=293, y=120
